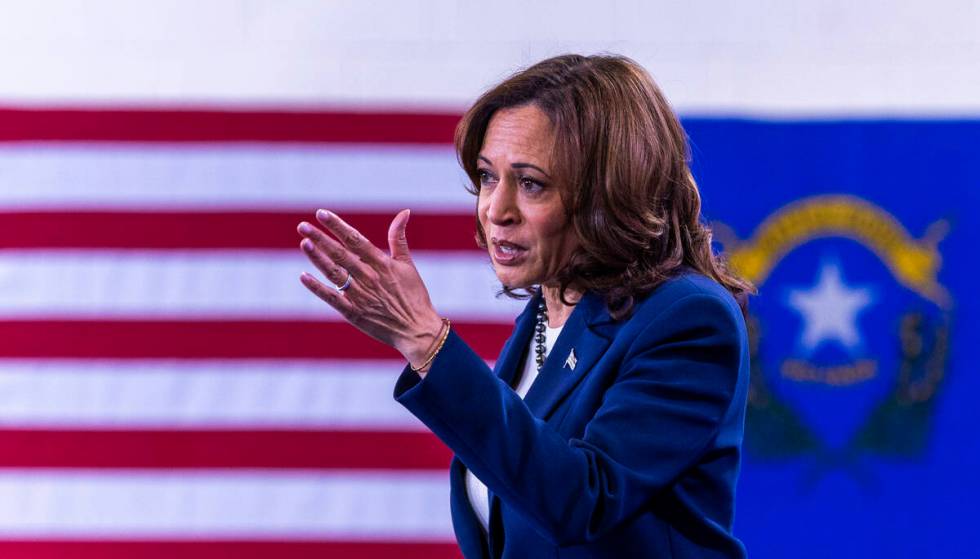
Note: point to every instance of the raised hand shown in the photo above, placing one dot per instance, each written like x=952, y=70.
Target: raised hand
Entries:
x=380, y=294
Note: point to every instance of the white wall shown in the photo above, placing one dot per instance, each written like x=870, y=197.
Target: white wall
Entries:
x=752, y=56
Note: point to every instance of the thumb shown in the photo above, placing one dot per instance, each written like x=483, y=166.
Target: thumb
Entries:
x=397, y=241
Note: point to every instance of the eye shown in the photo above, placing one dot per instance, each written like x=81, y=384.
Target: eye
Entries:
x=530, y=185
x=485, y=177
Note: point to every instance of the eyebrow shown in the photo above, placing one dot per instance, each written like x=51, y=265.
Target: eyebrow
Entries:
x=520, y=165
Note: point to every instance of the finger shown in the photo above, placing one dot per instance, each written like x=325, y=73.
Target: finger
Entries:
x=332, y=249
x=336, y=274
x=329, y=295
x=397, y=238
x=351, y=238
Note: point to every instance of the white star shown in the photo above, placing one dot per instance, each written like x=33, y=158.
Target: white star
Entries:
x=829, y=309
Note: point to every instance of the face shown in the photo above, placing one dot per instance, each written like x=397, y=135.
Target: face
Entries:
x=520, y=210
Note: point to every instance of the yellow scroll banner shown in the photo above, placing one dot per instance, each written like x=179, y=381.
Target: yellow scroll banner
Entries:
x=913, y=262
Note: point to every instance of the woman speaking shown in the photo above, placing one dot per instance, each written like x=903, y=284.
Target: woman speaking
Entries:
x=611, y=425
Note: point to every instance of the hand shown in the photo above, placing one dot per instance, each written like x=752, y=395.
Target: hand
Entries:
x=386, y=299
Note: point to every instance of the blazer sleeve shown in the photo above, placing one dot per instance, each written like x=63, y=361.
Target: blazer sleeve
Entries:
x=674, y=390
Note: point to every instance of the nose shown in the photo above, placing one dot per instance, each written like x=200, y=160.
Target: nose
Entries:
x=502, y=207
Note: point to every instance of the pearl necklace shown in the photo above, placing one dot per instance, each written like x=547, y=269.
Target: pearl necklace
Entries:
x=539, y=339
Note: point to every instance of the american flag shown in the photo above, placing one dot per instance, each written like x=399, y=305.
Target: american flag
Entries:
x=167, y=386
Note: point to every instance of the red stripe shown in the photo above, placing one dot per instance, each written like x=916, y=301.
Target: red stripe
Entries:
x=204, y=339
x=147, y=549
x=214, y=230
x=209, y=125
x=35, y=448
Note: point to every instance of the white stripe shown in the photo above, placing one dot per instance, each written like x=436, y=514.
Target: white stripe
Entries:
x=203, y=176
x=325, y=394
x=197, y=284
x=51, y=504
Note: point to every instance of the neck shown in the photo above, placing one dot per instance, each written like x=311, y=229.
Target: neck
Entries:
x=558, y=312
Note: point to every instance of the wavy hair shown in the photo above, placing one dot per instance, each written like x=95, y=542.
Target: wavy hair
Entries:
x=621, y=163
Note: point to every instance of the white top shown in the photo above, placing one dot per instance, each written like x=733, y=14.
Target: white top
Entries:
x=475, y=489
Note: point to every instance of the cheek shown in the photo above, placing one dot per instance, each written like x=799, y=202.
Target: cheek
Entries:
x=569, y=242
x=483, y=220
x=560, y=239
x=481, y=214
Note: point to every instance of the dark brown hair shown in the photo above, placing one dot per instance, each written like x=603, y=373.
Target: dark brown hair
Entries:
x=621, y=162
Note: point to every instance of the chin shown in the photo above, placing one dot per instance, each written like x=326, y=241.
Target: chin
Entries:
x=511, y=280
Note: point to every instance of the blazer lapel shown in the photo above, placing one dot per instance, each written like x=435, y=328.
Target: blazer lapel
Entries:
x=582, y=342
x=510, y=360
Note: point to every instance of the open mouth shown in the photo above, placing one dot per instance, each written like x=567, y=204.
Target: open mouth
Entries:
x=506, y=252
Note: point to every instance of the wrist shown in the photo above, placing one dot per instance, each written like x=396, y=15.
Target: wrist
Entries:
x=421, y=342
x=423, y=353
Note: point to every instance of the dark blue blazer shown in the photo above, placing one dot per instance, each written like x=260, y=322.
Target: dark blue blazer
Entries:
x=632, y=453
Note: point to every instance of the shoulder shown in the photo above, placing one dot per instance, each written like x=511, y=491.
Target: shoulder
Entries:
x=689, y=309
x=692, y=325
x=687, y=292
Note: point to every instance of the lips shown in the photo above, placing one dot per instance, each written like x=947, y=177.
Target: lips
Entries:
x=507, y=253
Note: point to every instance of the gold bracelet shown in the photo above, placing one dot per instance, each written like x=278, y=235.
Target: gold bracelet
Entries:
x=442, y=341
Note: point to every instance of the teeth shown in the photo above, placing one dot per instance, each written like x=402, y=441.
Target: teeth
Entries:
x=507, y=249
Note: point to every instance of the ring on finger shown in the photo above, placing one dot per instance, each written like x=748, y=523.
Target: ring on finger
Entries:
x=346, y=283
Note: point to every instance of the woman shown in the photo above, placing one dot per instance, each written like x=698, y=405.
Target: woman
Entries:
x=612, y=422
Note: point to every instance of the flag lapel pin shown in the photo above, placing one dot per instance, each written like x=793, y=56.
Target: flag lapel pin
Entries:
x=572, y=360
